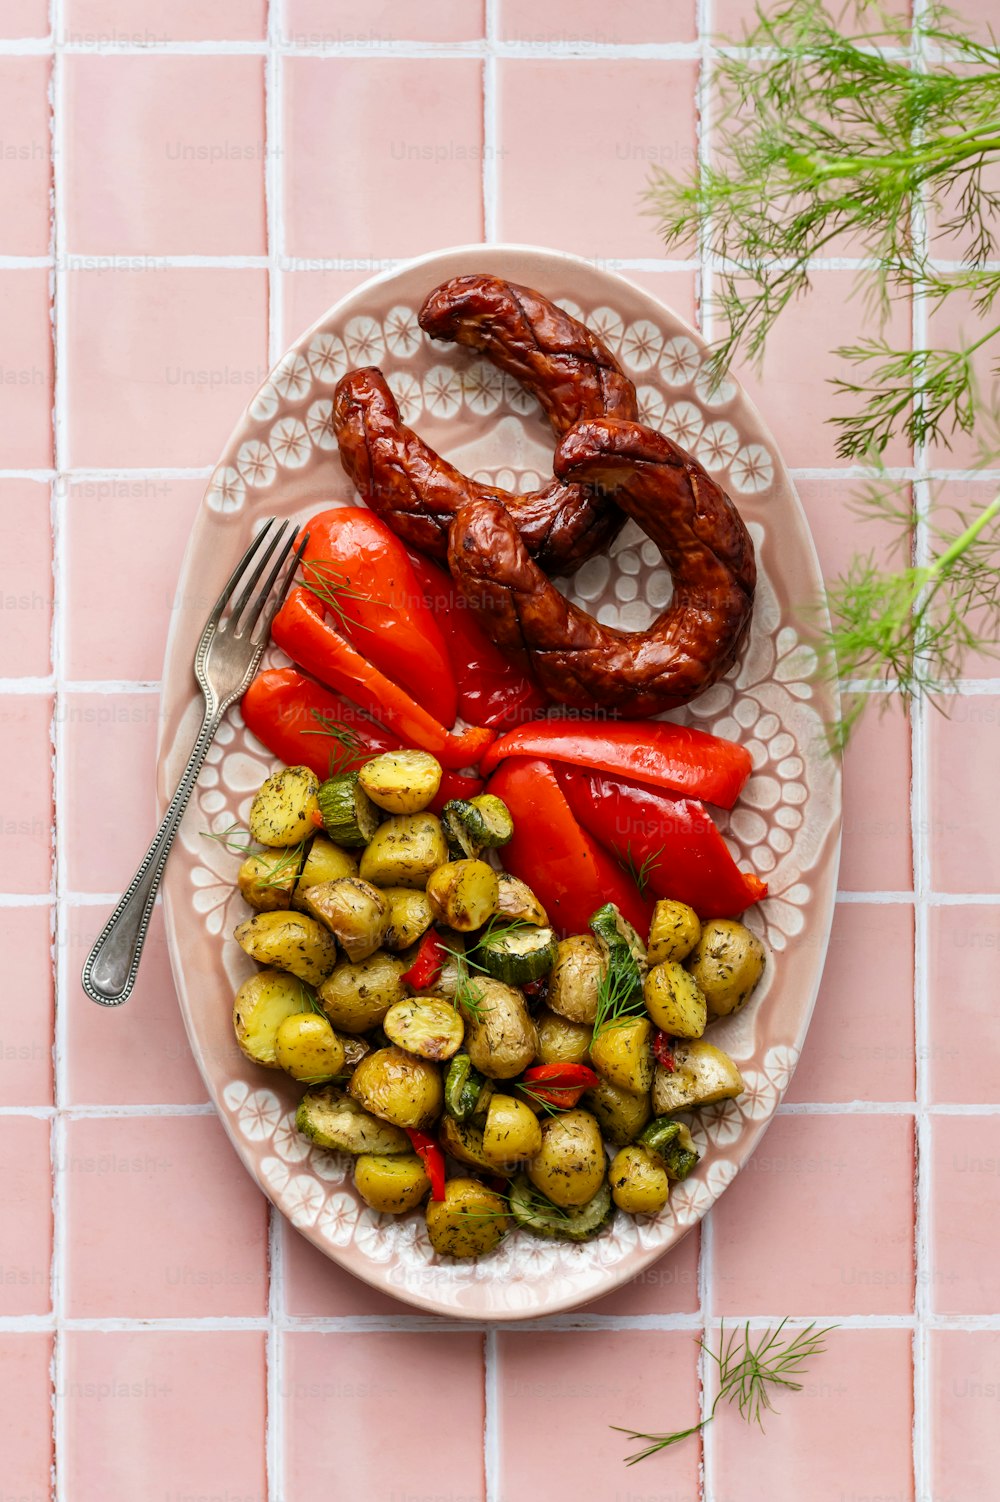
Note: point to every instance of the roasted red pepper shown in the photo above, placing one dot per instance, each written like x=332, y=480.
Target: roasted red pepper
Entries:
x=361, y=571
x=663, y=1051
x=567, y=869
x=491, y=689
x=671, y=842
x=431, y=1157
x=302, y=630
x=305, y=725
x=427, y=963
x=678, y=758
x=558, y=1084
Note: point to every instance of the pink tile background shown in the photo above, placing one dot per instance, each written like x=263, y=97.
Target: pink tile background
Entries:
x=197, y=226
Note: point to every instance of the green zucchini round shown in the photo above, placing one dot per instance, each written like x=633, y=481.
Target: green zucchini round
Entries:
x=349, y=816
x=517, y=955
x=538, y=1215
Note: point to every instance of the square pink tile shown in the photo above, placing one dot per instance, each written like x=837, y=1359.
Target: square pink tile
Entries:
x=143, y=23
x=24, y=18
x=166, y=155
x=842, y=1189
x=965, y=1434
x=956, y=505
x=350, y=1378
x=161, y=362
x=361, y=23
x=185, y=1407
x=840, y=533
x=667, y=1286
x=26, y=1225
x=316, y=1288
x=592, y=21
x=188, y=1225
x=582, y=192
x=877, y=849
x=25, y=579
x=964, y=1042
x=26, y=803
x=413, y=179
x=25, y=370
x=103, y=852
x=27, y=155
x=26, y=1415
x=860, y=1042
x=308, y=295
x=677, y=289
x=965, y=1215
x=965, y=849
x=566, y=1389
x=115, y=576
x=846, y=1437
x=955, y=325
x=26, y=1007
x=131, y=1056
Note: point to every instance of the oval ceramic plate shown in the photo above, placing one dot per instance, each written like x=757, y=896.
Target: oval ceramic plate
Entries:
x=283, y=459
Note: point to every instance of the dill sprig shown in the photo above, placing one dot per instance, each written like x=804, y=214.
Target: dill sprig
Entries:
x=467, y=996
x=642, y=872
x=332, y=586
x=618, y=997
x=285, y=863
x=751, y=1372
x=349, y=744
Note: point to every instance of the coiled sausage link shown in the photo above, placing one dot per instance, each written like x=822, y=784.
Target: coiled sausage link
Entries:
x=704, y=544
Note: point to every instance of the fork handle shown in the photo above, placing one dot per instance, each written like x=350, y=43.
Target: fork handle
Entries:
x=110, y=970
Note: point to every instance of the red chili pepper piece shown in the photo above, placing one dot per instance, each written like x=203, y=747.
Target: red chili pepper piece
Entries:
x=671, y=841
x=663, y=1051
x=558, y=1084
x=568, y=870
x=491, y=689
x=431, y=1157
x=361, y=570
x=677, y=758
x=302, y=630
x=427, y=963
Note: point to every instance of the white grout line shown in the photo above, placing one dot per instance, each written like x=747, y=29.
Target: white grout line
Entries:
x=493, y=1415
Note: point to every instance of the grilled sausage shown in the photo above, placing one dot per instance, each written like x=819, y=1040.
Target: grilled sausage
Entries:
x=704, y=544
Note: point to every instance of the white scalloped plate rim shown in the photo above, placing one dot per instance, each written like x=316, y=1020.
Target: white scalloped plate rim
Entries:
x=280, y=458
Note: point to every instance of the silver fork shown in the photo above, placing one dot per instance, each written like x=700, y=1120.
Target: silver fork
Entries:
x=226, y=659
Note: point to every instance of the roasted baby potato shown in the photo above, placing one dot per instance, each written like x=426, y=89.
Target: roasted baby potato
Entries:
x=463, y=1141
x=404, y=850
x=575, y=977
x=307, y=1048
x=622, y=1052
x=673, y=933
x=463, y=894
x=391, y=1185
x=515, y=899
x=262, y=1004
x=289, y=941
x=333, y=1120
x=398, y=1087
x=401, y=782
x=675, y=1001
x=469, y=1221
x=511, y=1134
x=570, y=1165
x=267, y=879
x=621, y=1114
x=702, y=1074
x=426, y=1026
x=500, y=1036
x=561, y=1041
x=639, y=1182
x=324, y=861
x=356, y=996
x=410, y=917
x=353, y=910
x=727, y=962
x=283, y=808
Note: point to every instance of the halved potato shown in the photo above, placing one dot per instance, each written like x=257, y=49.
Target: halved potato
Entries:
x=702, y=1074
x=391, y=1185
x=283, y=807
x=401, y=782
x=463, y=1141
x=262, y=1004
x=463, y=894
x=410, y=917
x=267, y=878
x=639, y=1182
x=675, y=1001
x=673, y=933
x=290, y=941
x=621, y=1114
x=356, y=996
x=353, y=910
x=398, y=1087
x=511, y=1134
x=324, y=861
x=499, y=1034
x=570, y=1165
x=426, y=1026
x=469, y=1221
x=404, y=850
x=575, y=977
x=307, y=1048
x=561, y=1041
x=515, y=899
x=727, y=962
x=622, y=1052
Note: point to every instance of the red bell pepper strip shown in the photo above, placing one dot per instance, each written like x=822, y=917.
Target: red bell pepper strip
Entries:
x=427, y=963
x=299, y=720
x=671, y=841
x=361, y=571
x=558, y=1084
x=663, y=1051
x=565, y=867
x=431, y=1157
x=491, y=689
x=678, y=758
x=312, y=642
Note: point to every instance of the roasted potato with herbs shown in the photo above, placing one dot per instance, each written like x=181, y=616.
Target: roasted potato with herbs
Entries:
x=353, y=910
x=290, y=941
x=331, y=1119
x=356, y=996
x=262, y=1004
x=622, y=1052
x=561, y=1041
x=620, y=1114
x=463, y=1141
x=702, y=1074
x=267, y=878
x=397, y=1086
x=391, y=1185
x=283, y=807
x=569, y=1166
x=426, y=1026
x=500, y=1036
x=727, y=962
x=410, y=917
x=575, y=978
x=307, y=1048
x=401, y=782
x=324, y=861
x=675, y=1001
x=516, y=900
x=469, y=1221
x=404, y=850
x=463, y=894
x=511, y=1134
x=639, y=1182
x=673, y=933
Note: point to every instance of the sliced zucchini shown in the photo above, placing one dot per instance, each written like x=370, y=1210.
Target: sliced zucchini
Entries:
x=463, y=1088
x=401, y=782
x=476, y=824
x=517, y=900
x=517, y=955
x=623, y=951
x=672, y=1141
x=332, y=1119
x=349, y=816
x=535, y=1213
x=463, y=1141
